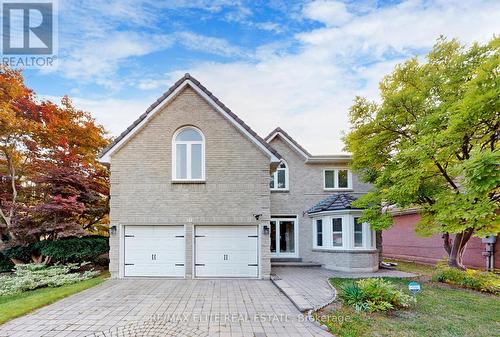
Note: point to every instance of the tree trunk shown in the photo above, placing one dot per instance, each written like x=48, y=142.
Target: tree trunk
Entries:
x=16, y=261
x=447, y=243
x=40, y=259
x=378, y=244
x=458, y=247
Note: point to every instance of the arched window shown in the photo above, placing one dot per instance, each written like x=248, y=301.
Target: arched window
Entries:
x=279, y=179
x=188, y=154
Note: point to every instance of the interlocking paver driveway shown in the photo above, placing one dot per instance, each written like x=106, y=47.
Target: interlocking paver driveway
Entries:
x=159, y=307
x=313, y=283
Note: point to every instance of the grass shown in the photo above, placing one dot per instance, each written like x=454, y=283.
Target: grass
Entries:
x=20, y=304
x=441, y=310
x=415, y=268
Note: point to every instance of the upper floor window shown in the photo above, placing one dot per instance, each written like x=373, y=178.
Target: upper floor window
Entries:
x=337, y=179
x=279, y=179
x=188, y=154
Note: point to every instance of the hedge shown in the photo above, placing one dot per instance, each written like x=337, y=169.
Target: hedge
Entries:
x=5, y=263
x=68, y=250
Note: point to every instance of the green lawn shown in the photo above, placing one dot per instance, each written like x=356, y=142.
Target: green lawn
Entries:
x=416, y=268
x=20, y=304
x=441, y=310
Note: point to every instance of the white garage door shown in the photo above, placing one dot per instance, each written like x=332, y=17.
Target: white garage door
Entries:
x=154, y=251
x=226, y=251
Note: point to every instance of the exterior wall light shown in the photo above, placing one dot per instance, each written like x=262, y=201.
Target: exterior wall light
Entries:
x=265, y=230
x=112, y=230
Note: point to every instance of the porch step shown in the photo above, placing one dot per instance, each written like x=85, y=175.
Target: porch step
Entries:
x=295, y=264
x=286, y=259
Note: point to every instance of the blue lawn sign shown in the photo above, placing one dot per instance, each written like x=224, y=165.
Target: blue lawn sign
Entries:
x=414, y=287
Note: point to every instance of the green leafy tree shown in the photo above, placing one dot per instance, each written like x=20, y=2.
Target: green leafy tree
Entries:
x=432, y=143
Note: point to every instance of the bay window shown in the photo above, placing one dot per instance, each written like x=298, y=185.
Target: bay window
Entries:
x=358, y=233
x=337, y=232
x=344, y=232
x=319, y=232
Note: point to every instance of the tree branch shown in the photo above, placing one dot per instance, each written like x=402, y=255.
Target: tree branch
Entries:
x=446, y=176
x=12, y=172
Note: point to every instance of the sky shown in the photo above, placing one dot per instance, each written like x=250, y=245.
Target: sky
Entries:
x=293, y=64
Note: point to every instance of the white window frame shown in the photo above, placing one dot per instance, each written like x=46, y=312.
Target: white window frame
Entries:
x=347, y=232
x=315, y=233
x=274, y=178
x=342, y=231
x=292, y=217
x=336, y=179
x=363, y=232
x=188, y=155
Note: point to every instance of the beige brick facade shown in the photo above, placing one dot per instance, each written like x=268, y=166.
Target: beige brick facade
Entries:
x=306, y=190
x=236, y=186
x=235, y=189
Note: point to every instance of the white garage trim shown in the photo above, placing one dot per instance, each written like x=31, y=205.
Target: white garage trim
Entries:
x=165, y=244
x=226, y=251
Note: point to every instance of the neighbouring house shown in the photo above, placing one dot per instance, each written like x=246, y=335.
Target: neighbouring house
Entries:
x=402, y=242
x=196, y=193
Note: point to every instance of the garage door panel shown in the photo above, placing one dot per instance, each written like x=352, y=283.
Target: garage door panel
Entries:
x=154, y=231
x=154, y=251
x=153, y=270
x=226, y=251
x=226, y=271
x=222, y=245
x=226, y=231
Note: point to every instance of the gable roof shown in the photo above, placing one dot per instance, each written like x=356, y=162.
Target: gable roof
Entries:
x=296, y=146
x=309, y=158
x=188, y=80
x=334, y=202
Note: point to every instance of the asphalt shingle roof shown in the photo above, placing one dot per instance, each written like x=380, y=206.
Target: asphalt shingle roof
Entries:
x=334, y=202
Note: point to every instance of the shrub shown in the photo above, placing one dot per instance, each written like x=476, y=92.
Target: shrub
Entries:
x=472, y=279
x=375, y=294
x=21, y=253
x=33, y=276
x=5, y=263
x=74, y=249
x=69, y=250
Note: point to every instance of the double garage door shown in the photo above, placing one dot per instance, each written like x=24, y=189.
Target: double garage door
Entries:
x=219, y=251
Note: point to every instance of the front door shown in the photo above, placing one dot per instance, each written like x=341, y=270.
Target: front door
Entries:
x=284, y=237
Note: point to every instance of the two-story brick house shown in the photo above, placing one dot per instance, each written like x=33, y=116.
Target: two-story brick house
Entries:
x=196, y=193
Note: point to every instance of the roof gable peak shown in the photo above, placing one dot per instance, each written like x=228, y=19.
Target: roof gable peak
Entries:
x=279, y=132
x=171, y=93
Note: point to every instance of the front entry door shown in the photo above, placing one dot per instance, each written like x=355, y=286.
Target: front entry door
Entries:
x=284, y=237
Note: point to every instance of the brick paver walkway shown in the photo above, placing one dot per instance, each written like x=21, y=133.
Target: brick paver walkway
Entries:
x=159, y=307
x=312, y=283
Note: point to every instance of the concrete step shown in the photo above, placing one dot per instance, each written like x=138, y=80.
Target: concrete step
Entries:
x=286, y=259
x=295, y=264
